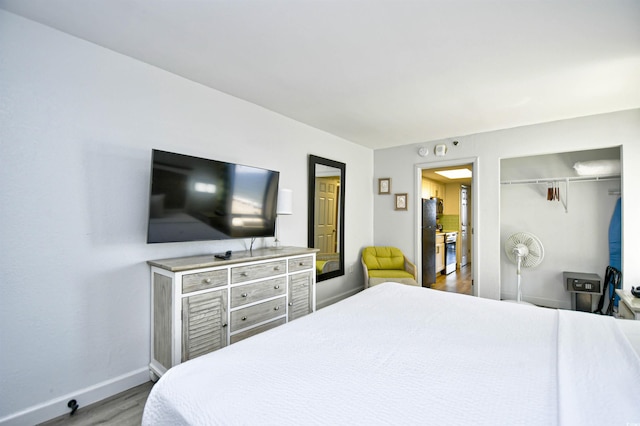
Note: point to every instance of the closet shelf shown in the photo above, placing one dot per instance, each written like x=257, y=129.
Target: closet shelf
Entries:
x=566, y=180
x=561, y=179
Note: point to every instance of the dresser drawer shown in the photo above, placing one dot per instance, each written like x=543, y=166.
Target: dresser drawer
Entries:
x=257, y=330
x=241, y=274
x=624, y=311
x=249, y=293
x=300, y=263
x=204, y=280
x=246, y=317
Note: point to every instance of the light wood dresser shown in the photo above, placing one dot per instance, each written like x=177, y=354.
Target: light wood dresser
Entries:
x=629, y=305
x=200, y=304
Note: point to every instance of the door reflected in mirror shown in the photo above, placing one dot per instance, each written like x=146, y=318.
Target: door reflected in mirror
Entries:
x=326, y=215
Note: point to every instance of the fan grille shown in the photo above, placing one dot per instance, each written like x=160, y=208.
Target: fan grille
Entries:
x=528, y=243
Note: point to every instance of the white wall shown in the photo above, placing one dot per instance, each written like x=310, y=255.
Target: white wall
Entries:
x=601, y=131
x=77, y=125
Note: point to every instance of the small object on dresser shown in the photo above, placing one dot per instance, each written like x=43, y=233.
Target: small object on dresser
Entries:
x=635, y=291
x=225, y=256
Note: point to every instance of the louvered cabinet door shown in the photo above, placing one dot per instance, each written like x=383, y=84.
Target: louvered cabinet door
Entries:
x=300, y=295
x=204, y=323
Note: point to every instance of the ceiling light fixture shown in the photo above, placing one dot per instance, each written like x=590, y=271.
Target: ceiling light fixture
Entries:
x=455, y=173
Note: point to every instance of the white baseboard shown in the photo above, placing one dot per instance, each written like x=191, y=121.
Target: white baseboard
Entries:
x=338, y=298
x=87, y=396
x=539, y=301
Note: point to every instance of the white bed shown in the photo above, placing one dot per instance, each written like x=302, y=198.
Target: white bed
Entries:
x=396, y=354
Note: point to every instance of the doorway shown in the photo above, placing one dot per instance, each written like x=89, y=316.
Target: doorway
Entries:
x=454, y=226
x=326, y=214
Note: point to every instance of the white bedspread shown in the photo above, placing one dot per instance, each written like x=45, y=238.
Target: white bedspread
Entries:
x=404, y=355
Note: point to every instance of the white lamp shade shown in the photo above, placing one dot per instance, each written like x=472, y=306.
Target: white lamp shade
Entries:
x=285, y=201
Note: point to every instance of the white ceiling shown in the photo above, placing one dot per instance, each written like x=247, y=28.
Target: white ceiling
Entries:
x=381, y=73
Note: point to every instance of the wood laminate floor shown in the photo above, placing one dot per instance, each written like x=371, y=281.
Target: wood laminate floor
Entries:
x=123, y=409
x=456, y=282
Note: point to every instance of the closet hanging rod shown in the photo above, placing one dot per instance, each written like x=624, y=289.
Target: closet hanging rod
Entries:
x=564, y=179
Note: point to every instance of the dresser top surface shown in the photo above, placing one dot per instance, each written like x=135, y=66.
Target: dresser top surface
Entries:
x=632, y=301
x=178, y=264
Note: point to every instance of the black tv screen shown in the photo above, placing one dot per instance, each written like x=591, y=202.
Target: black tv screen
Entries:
x=195, y=199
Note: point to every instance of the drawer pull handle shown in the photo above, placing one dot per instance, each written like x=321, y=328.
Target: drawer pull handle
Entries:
x=276, y=268
x=243, y=274
x=277, y=308
x=207, y=280
x=244, y=294
x=301, y=264
x=224, y=325
x=244, y=318
x=276, y=286
x=290, y=303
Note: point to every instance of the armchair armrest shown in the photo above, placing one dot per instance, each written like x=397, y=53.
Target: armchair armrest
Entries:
x=410, y=267
x=365, y=273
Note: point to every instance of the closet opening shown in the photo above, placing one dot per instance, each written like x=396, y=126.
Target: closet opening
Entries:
x=568, y=201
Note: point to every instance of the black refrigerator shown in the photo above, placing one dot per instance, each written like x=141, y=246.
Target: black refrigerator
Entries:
x=428, y=230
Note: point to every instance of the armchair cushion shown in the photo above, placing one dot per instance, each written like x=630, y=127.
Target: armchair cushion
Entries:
x=389, y=273
x=383, y=258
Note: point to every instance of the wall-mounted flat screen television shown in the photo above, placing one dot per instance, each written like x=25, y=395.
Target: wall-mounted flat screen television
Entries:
x=196, y=199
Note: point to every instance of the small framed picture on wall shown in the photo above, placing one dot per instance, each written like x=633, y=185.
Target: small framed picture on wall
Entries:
x=384, y=186
x=401, y=201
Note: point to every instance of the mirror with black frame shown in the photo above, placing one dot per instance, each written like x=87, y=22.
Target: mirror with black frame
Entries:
x=326, y=215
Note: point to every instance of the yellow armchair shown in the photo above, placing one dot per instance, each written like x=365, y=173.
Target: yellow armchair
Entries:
x=381, y=264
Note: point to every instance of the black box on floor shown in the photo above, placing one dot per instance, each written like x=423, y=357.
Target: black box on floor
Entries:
x=579, y=282
x=582, y=286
